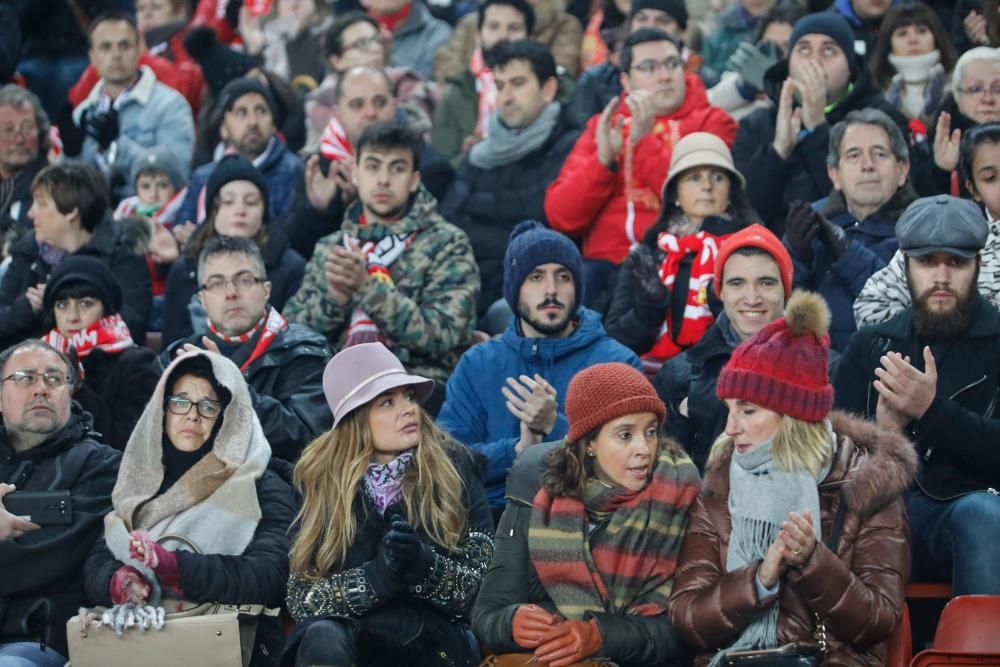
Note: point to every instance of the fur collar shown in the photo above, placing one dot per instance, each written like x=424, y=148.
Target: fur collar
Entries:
x=871, y=467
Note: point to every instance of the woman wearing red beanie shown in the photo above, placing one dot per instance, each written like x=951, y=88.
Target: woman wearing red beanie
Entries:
x=584, y=565
x=800, y=536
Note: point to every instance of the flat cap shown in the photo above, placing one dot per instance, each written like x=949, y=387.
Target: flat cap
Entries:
x=942, y=224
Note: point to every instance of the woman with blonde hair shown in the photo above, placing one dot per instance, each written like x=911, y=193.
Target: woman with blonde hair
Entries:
x=394, y=534
x=799, y=539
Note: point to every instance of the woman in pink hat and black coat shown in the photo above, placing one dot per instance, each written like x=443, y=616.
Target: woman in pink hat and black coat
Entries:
x=395, y=532
x=800, y=535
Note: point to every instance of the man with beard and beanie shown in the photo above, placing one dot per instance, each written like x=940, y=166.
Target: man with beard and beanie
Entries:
x=46, y=445
x=508, y=393
x=933, y=372
x=282, y=363
x=395, y=272
x=249, y=127
x=503, y=178
x=782, y=149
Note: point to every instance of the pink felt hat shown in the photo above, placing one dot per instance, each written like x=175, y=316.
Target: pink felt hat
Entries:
x=362, y=372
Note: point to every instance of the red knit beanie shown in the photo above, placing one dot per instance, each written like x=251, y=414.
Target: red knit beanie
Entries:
x=604, y=392
x=755, y=236
x=783, y=367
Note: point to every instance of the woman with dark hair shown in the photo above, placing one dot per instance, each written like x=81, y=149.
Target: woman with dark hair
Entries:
x=586, y=548
x=82, y=300
x=913, y=59
x=236, y=198
x=393, y=537
x=659, y=306
x=199, y=516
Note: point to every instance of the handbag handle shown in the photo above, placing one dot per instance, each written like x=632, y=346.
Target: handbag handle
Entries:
x=831, y=543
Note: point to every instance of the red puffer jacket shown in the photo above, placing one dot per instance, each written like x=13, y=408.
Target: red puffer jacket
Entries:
x=589, y=200
x=858, y=592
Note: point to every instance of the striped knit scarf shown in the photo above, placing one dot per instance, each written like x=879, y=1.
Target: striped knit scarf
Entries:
x=486, y=90
x=379, y=257
x=626, y=568
x=109, y=334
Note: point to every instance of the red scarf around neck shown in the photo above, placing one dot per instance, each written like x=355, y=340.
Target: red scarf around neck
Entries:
x=109, y=334
x=395, y=19
x=273, y=324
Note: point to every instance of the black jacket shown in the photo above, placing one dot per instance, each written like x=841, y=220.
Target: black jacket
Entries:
x=42, y=585
x=115, y=390
x=773, y=183
x=14, y=221
x=121, y=244
x=629, y=641
x=958, y=437
x=594, y=89
x=285, y=269
x=257, y=576
x=488, y=204
x=286, y=387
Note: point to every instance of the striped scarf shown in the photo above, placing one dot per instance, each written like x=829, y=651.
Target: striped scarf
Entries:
x=109, y=334
x=271, y=324
x=626, y=568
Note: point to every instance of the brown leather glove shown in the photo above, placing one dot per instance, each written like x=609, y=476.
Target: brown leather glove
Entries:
x=569, y=642
x=531, y=623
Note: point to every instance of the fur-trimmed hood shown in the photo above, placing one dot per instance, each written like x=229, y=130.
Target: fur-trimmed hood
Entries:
x=871, y=466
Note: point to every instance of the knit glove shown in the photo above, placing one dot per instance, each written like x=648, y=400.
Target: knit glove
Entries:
x=530, y=624
x=102, y=127
x=569, y=642
x=801, y=229
x=833, y=237
x=413, y=557
x=646, y=275
x=751, y=62
x=120, y=581
x=161, y=560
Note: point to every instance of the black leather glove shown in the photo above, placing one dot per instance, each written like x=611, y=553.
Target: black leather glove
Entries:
x=646, y=275
x=801, y=229
x=833, y=236
x=383, y=575
x=102, y=127
x=405, y=548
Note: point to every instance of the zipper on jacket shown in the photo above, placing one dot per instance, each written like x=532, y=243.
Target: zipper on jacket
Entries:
x=968, y=386
x=992, y=491
x=989, y=409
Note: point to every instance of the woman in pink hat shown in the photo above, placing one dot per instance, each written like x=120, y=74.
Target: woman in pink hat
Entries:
x=394, y=534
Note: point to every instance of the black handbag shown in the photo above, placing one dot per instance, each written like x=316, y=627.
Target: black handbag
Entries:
x=794, y=655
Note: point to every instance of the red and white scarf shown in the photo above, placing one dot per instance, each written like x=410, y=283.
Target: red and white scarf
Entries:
x=334, y=144
x=697, y=316
x=486, y=88
x=379, y=257
x=273, y=324
x=109, y=334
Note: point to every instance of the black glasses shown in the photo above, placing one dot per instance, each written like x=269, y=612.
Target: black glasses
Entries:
x=207, y=408
x=52, y=379
x=241, y=281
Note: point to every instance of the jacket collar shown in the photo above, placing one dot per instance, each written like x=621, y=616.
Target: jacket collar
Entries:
x=419, y=215
x=139, y=93
x=589, y=331
x=836, y=205
x=985, y=324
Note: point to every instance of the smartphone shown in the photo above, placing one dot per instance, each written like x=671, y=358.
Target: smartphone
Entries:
x=46, y=508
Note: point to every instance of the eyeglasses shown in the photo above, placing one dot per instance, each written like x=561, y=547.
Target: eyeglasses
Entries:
x=363, y=44
x=52, y=379
x=27, y=129
x=207, y=408
x=650, y=66
x=241, y=281
x=978, y=90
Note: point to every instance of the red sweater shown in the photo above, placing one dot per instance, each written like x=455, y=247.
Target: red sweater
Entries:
x=589, y=200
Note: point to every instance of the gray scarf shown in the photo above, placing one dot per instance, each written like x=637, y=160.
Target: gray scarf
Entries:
x=760, y=497
x=503, y=145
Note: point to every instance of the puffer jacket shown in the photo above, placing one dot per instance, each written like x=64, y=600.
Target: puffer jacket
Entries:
x=857, y=590
x=429, y=314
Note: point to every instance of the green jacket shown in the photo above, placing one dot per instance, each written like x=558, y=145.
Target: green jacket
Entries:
x=629, y=641
x=429, y=313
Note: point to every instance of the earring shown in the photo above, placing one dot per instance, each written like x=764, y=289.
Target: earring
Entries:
x=590, y=453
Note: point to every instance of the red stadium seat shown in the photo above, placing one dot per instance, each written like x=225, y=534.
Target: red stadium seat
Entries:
x=900, y=646
x=967, y=634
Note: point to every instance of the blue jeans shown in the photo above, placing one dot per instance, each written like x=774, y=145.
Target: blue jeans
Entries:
x=957, y=538
x=29, y=654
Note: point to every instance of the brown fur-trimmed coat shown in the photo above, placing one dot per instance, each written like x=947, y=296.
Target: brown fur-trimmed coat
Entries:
x=858, y=591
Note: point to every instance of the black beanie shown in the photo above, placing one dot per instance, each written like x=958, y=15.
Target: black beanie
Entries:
x=88, y=270
x=219, y=63
x=675, y=8
x=234, y=168
x=237, y=88
x=833, y=26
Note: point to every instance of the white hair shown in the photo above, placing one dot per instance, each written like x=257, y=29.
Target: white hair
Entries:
x=978, y=54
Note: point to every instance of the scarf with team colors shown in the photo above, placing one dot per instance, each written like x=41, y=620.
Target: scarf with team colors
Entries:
x=269, y=326
x=628, y=566
x=379, y=257
x=704, y=247
x=109, y=334
x=486, y=88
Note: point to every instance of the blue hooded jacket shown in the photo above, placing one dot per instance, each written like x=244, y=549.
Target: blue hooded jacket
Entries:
x=475, y=410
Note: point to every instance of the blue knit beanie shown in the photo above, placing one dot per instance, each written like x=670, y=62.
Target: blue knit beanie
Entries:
x=833, y=26
x=532, y=244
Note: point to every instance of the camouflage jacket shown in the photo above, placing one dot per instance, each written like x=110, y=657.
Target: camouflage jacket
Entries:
x=430, y=312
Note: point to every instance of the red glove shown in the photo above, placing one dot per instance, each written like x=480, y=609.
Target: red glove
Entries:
x=163, y=561
x=531, y=623
x=124, y=579
x=569, y=642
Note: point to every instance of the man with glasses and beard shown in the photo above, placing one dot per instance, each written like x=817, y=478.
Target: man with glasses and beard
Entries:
x=508, y=393
x=933, y=372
